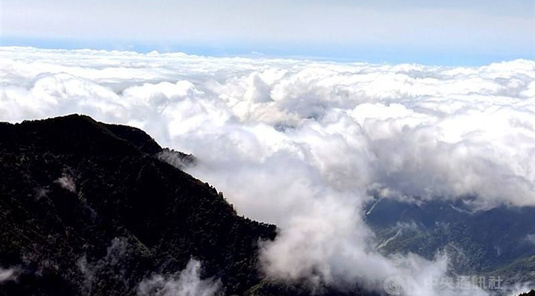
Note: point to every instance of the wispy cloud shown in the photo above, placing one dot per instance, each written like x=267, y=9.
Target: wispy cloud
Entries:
x=9, y=274
x=187, y=282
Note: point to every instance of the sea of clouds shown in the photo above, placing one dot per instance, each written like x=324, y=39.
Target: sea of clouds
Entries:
x=305, y=144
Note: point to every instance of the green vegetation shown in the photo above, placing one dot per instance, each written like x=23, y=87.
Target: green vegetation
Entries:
x=492, y=242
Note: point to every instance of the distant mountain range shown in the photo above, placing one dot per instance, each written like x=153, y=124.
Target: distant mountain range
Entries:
x=88, y=208
x=496, y=242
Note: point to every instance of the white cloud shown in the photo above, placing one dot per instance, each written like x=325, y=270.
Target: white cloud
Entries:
x=185, y=283
x=9, y=274
x=302, y=143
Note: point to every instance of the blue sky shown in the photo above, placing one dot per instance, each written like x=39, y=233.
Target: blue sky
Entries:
x=429, y=32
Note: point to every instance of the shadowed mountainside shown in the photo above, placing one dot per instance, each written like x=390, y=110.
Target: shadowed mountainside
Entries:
x=88, y=208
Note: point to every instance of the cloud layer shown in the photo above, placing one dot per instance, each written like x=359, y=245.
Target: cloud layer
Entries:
x=304, y=144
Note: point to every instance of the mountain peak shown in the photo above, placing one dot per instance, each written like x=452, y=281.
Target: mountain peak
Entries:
x=76, y=134
x=89, y=208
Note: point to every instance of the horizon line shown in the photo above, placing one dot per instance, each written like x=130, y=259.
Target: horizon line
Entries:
x=424, y=59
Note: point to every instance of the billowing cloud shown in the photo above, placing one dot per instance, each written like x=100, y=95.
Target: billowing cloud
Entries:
x=305, y=144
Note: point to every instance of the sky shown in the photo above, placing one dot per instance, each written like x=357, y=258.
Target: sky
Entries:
x=428, y=32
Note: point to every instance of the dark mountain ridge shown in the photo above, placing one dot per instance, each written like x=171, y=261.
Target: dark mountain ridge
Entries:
x=71, y=187
x=88, y=208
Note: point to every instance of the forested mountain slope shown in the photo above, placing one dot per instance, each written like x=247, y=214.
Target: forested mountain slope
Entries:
x=88, y=208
